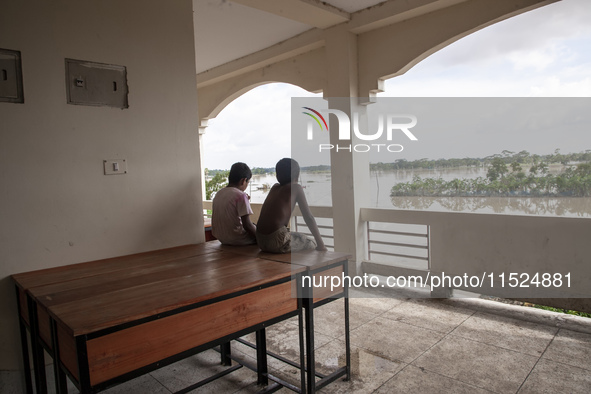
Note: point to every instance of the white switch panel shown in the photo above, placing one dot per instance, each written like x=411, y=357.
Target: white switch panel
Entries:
x=115, y=167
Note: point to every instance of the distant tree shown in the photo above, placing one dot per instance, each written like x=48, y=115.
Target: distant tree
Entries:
x=497, y=169
x=522, y=156
x=540, y=167
x=516, y=167
x=262, y=171
x=219, y=181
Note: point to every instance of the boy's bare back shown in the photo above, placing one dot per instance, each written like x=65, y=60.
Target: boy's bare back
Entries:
x=277, y=208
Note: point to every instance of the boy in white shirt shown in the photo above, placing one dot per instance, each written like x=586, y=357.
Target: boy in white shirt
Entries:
x=230, y=221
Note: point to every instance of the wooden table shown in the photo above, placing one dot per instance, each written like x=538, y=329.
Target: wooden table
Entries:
x=312, y=264
x=108, y=321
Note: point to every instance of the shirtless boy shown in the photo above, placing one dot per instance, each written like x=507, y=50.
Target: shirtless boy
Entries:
x=271, y=231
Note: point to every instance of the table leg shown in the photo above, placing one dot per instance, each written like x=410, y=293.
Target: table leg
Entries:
x=302, y=345
x=83, y=367
x=61, y=383
x=226, y=353
x=262, y=367
x=310, y=362
x=37, y=349
x=347, y=334
x=24, y=347
x=26, y=361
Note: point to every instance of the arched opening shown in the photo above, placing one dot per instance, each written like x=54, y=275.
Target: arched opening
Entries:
x=542, y=54
x=254, y=128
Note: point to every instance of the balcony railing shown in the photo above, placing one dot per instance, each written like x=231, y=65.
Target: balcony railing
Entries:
x=323, y=216
x=423, y=243
x=408, y=243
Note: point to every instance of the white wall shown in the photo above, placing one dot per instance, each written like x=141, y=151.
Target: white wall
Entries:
x=474, y=244
x=56, y=206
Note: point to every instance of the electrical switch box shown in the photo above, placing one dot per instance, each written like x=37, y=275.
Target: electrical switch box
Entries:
x=115, y=167
x=96, y=84
x=11, y=77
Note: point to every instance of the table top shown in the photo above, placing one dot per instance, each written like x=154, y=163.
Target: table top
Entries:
x=92, y=296
x=27, y=280
x=309, y=259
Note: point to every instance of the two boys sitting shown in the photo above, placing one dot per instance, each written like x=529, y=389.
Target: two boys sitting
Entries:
x=231, y=209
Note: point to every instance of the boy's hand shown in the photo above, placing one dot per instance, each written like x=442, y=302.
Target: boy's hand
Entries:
x=321, y=248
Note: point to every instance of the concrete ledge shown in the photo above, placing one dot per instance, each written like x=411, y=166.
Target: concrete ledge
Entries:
x=530, y=314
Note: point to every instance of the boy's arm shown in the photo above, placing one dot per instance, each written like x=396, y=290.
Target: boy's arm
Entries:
x=248, y=226
x=300, y=199
x=244, y=211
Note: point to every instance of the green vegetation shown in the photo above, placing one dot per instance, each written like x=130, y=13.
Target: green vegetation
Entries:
x=507, y=157
x=560, y=310
x=517, y=205
x=316, y=169
x=255, y=171
x=263, y=171
x=219, y=181
x=506, y=177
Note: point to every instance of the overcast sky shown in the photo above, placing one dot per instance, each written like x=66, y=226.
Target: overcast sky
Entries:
x=543, y=53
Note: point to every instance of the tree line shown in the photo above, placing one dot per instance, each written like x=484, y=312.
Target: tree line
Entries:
x=507, y=157
x=506, y=176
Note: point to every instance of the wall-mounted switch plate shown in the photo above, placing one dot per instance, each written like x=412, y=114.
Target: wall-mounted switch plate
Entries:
x=11, y=77
x=96, y=84
x=115, y=167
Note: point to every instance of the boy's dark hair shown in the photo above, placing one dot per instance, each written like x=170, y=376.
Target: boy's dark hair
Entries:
x=287, y=169
x=239, y=171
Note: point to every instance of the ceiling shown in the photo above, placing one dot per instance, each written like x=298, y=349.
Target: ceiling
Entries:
x=227, y=30
x=353, y=5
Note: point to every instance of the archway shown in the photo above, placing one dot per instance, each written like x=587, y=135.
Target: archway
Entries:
x=519, y=57
x=540, y=53
x=253, y=128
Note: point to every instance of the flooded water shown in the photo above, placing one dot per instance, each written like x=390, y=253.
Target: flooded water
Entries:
x=317, y=187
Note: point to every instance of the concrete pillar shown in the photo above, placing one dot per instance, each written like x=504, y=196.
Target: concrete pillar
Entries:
x=202, y=128
x=350, y=170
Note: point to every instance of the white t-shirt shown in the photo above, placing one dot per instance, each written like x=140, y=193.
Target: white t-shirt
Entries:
x=229, y=205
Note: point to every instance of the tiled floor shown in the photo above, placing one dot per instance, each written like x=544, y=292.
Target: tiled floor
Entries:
x=405, y=346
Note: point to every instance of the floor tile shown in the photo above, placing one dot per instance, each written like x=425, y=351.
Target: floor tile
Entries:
x=416, y=380
x=372, y=304
x=193, y=369
x=275, y=366
x=429, y=314
x=255, y=388
x=12, y=382
x=143, y=384
x=552, y=377
x=394, y=340
x=479, y=364
x=572, y=348
x=283, y=339
x=508, y=333
x=329, y=319
x=368, y=371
